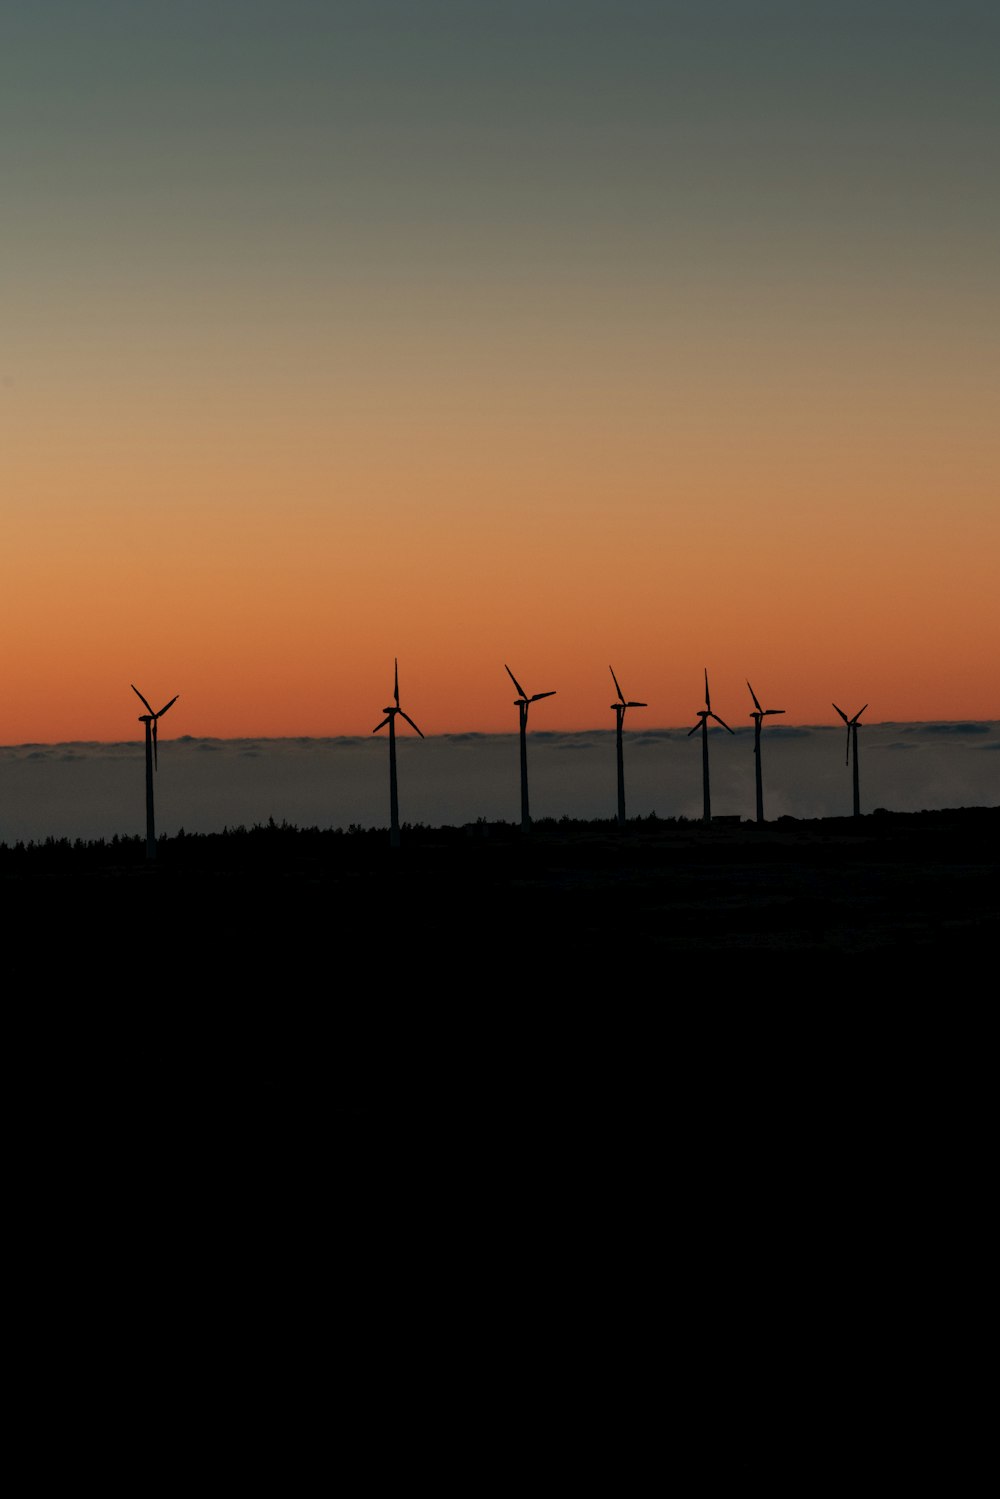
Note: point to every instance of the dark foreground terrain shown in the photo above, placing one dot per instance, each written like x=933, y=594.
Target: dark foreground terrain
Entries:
x=461, y=913
x=570, y=967
x=685, y=1133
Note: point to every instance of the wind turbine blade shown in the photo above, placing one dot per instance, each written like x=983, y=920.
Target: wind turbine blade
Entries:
x=843, y=714
x=617, y=688
x=552, y=694
x=409, y=720
x=380, y=725
x=847, y=757
x=140, y=697
x=858, y=714
x=719, y=720
x=696, y=728
x=773, y=710
x=637, y=705
x=515, y=681
x=170, y=705
x=155, y=763
x=395, y=683
x=708, y=700
x=755, y=702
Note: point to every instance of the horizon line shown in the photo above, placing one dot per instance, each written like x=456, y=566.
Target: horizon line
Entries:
x=609, y=729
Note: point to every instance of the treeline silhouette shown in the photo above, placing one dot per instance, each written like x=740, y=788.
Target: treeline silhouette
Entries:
x=575, y=892
x=266, y=841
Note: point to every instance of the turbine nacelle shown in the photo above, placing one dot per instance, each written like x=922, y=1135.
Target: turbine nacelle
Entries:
x=391, y=709
x=621, y=704
x=760, y=712
x=852, y=723
x=151, y=717
x=524, y=700
x=704, y=714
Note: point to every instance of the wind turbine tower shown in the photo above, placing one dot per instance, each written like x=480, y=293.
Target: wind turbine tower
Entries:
x=758, y=716
x=705, y=714
x=390, y=719
x=618, y=709
x=150, y=718
x=523, y=703
x=852, y=733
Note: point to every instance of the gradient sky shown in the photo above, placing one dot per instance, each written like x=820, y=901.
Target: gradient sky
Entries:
x=659, y=334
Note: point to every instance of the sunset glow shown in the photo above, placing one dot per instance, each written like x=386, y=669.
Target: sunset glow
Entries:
x=558, y=335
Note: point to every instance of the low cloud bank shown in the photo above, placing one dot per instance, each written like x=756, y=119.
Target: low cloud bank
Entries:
x=203, y=785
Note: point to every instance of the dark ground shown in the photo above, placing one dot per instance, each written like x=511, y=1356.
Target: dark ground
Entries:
x=690, y=1130
x=570, y=966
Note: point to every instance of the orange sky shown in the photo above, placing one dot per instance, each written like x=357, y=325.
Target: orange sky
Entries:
x=563, y=406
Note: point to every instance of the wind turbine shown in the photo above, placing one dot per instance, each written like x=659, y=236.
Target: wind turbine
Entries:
x=619, y=711
x=522, y=705
x=852, y=730
x=150, y=720
x=758, y=717
x=705, y=714
x=390, y=719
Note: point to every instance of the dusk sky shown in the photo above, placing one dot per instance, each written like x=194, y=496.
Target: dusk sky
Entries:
x=557, y=334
